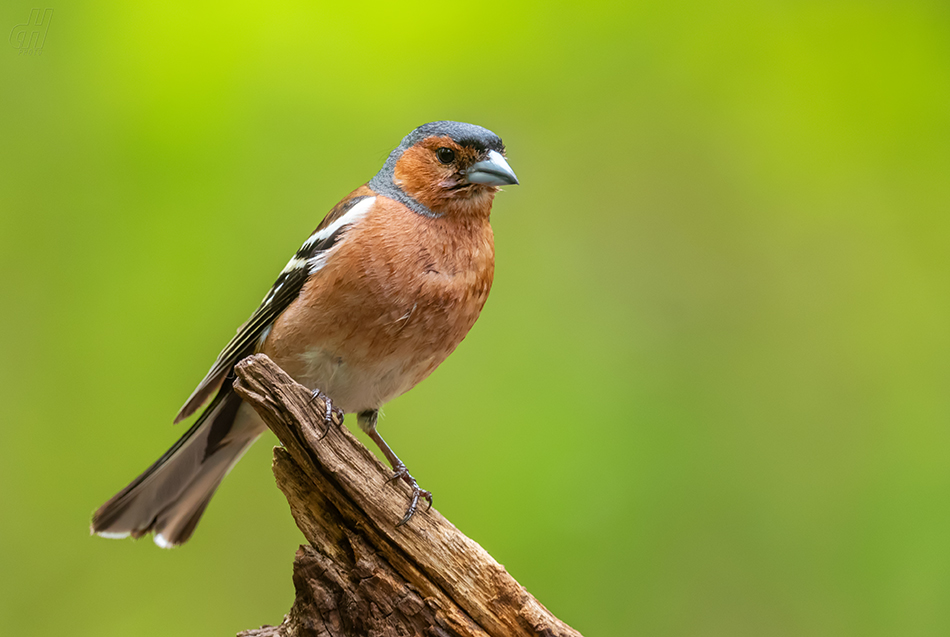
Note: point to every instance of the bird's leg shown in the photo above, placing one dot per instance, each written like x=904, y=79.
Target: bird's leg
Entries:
x=367, y=421
x=400, y=471
x=328, y=411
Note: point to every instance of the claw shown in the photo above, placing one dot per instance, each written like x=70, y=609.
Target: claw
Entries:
x=368, y=424
x=328, y=412
x=402, y=472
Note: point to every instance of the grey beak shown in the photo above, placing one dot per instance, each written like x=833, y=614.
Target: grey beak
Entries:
x=494, y=171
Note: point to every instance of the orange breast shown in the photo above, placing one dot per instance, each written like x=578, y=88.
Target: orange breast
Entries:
x=394, y=299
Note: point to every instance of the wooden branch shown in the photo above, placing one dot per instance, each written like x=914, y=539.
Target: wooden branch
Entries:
x=361, y=575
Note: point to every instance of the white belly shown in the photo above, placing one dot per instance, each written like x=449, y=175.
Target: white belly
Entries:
x=354, y=390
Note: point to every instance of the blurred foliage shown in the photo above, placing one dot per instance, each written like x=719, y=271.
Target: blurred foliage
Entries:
x=708, y=395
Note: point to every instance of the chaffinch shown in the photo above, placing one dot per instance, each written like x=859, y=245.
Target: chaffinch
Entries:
x=374, y=300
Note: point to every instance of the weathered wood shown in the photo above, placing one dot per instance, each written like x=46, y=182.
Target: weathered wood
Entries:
x=361, y=574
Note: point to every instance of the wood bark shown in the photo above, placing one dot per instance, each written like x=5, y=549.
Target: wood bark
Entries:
x=360, y=574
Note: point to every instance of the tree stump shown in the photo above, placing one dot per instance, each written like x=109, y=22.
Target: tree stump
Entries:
x=362, y=575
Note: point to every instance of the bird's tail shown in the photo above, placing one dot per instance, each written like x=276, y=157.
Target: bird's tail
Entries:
x=170, y=496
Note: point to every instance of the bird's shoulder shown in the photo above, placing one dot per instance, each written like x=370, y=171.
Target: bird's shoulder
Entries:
x=393, y=260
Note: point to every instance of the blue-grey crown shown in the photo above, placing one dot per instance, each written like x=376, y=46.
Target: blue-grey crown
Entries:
x=460, y=132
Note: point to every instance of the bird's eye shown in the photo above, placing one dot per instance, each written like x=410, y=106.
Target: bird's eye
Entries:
x=445, y=155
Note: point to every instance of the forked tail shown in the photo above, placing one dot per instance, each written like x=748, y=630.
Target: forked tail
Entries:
x=170, y=496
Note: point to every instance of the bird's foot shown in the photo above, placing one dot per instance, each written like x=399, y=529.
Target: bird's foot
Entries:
x=328, y=412
x=400, y=471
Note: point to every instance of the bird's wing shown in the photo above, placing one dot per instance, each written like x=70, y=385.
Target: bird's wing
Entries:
x=309, y=259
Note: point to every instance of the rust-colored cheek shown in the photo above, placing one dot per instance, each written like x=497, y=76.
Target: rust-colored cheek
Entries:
x=419, y=178
x=423, y=178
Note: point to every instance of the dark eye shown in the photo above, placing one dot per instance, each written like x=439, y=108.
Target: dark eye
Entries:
x=445, y=155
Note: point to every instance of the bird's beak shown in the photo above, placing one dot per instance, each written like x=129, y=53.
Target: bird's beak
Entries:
x=494, y=171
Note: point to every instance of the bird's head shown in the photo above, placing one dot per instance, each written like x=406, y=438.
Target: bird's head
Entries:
x=446, y=168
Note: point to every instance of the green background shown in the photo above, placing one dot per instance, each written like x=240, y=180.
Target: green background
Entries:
x=708, y=394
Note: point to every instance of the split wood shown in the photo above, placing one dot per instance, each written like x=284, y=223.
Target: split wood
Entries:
x=361, y=575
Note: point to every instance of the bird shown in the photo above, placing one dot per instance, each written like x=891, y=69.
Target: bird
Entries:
x=375, y=299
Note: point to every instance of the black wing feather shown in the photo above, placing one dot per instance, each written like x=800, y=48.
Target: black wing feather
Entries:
x=285, y=291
